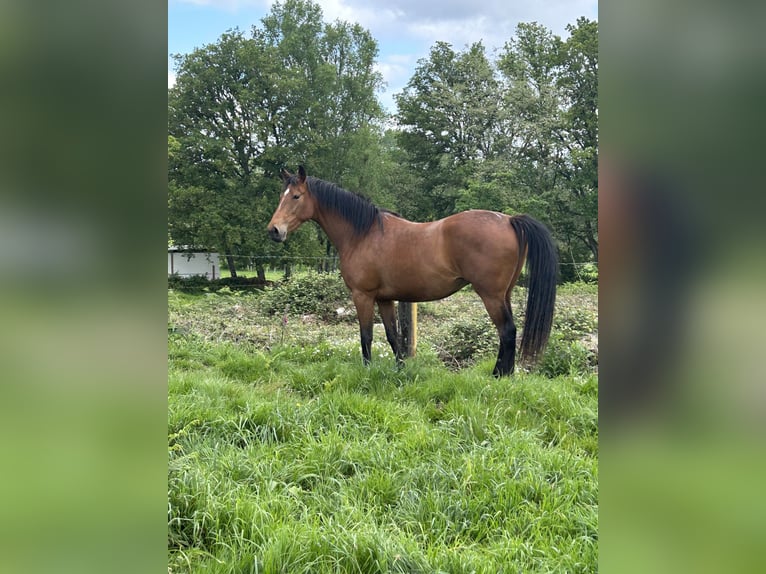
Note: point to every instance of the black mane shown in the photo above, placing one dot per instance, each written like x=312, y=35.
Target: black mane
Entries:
x=359, y=211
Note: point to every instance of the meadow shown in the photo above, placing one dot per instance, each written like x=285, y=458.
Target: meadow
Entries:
x=287, y=455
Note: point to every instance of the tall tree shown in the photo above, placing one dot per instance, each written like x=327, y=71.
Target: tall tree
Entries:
x=578, y=81
x=446, y=113
x=244, y=107
x=531, y=110
x=215, y=119
x=517, y=134
x=550, y=128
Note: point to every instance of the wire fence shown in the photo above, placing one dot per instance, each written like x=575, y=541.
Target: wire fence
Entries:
x=258, y=258
x=265, y=268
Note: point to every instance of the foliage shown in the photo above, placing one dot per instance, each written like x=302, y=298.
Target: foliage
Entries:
x=244, y=107
x=571, y=349
x=517, y=135
x=446, y=112
x=464, y=340
x=200, y=283
x=565, y=357
x=191, y=284
x=296, y=458
x=588, y=273
x=308, y=293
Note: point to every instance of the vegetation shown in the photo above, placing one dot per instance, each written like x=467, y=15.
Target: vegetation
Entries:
x=287, y=455
x=517, y=133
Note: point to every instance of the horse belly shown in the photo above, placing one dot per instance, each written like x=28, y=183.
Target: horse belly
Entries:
x=419, y=283
x=411, y=262
x=417, y=294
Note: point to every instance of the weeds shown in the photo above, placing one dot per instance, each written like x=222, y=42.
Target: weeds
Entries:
x=294, y=457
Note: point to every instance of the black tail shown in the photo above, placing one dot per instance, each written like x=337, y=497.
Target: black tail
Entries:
x=542, y=264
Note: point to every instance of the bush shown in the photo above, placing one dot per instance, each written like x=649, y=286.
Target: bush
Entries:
x=565, y=357
x=191, y=284
x=589, y=273
x=200, y=283
x=573, y=323
x=309, y=293
x=465, y=340
x=241, y=283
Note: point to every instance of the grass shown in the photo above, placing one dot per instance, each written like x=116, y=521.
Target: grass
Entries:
x=271, y=274
x=287, y=455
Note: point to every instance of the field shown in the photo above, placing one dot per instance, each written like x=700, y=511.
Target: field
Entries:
x=287, y=455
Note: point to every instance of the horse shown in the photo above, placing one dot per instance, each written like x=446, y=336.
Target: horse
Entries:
x=385, y=258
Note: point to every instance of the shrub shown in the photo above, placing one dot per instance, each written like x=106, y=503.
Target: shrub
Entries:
x=565, y=357
x=191, y=284
x=200, y=283
x=574, y=323
x=589, y=273
x=309, y=293
x=241, y=283
x=463, y=341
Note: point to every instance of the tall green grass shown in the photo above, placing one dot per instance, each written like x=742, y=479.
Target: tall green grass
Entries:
x=293, y=457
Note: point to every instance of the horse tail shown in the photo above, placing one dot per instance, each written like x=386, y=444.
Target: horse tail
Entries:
x=542, y=265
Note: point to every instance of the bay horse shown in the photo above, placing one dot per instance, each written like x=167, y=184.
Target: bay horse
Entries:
x=385, y=258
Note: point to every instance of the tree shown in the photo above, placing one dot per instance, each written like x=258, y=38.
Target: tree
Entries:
x=245, y=107
x=578, y=81
x=446, y=113
x=550, y=129
x=515, y=135
x=216, y=122
x=531, y=109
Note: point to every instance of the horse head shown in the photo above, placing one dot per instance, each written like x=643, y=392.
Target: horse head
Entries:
x=295, y=206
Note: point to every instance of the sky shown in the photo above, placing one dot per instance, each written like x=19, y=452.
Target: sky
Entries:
x=404, y=29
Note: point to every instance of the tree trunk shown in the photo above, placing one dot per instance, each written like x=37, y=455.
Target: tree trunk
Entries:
x=229, y=257
x=230, y=265
x=261, y=271
x=591, y=241
x=288, y=270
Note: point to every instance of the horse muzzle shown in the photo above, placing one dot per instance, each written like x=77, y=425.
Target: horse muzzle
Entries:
x=276, y=234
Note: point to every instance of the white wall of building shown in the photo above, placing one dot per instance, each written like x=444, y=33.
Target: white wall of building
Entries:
x=187, y=264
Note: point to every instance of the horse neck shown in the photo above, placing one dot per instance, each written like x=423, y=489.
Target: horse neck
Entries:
x=338, y=230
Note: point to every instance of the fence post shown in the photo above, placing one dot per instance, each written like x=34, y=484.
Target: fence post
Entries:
x=408, y=327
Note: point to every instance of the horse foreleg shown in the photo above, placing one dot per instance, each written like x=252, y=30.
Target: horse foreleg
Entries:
x=388, y=314
x=364, y=312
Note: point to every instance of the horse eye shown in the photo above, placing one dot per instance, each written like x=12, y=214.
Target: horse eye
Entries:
x=296, y=196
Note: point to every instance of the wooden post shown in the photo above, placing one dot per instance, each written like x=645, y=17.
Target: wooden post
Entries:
x=408, y=327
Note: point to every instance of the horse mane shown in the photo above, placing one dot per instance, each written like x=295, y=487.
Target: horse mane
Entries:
x=359, y=211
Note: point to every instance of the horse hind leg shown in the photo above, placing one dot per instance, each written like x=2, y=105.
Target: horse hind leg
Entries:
x=499, y=311
x=506, y=356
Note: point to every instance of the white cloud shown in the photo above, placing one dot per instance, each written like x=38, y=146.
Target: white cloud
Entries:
x=396, y=70
x=407, y=29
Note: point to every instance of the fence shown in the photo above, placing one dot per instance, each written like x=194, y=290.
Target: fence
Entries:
x=407, y=312
x=330, y=262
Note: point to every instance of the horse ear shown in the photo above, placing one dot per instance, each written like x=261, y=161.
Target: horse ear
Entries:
x=301, y=174
x=285, y=174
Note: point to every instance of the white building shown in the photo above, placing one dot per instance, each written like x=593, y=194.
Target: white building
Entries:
x=185, y=263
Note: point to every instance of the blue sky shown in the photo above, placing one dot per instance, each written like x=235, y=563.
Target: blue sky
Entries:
x=404, y=29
